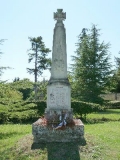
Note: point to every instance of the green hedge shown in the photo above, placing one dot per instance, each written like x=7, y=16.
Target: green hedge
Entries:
x=25, y=111
x=15, y=112
x=84, y=108
x=113, y=105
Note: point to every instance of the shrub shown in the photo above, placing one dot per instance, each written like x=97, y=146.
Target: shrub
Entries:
x=21, y=111
x=113, y=105
x=84, y=108
x=26, y=111
x=6, y=92
x=41, y=105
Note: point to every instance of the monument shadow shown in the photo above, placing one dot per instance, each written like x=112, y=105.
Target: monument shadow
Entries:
x=61, y=150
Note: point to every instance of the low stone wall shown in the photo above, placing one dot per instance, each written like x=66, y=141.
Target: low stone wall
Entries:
x=111, y=96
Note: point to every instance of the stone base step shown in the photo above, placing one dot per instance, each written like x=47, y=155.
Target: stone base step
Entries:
x=45, y=132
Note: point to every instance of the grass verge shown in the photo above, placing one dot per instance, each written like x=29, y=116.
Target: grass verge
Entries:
x=103, y=142
x=104, y=116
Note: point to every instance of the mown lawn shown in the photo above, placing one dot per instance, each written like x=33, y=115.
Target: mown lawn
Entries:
x=108, y=115
x=103, y=142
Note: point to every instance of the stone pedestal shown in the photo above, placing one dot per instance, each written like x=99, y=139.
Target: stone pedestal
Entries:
x=44, y=132
x=58, y=102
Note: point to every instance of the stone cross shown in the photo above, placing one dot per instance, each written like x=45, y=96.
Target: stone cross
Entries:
x=59, y=15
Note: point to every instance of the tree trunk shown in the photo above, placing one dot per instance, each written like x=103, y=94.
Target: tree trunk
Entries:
x=36, y=73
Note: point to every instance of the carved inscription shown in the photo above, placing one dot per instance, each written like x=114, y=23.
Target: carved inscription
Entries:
x=58, y=97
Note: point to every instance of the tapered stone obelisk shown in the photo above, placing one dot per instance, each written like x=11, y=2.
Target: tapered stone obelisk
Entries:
x=58, y=124
x=59, y=55
x=58, y=90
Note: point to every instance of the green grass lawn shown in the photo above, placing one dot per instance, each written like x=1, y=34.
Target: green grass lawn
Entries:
x=103, y=142
x=108, y=115
x=9, y=134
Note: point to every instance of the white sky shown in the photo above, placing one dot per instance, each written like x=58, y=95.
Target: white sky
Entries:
x=20, y=19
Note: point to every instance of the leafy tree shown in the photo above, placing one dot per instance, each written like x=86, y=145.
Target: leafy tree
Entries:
x=7, y=93
x=117, y=74
x=115, y=79
x=41, y=87
x=91, y=67
x=39, y=54
x=16, y=79
x=73, y=85
x=25, y=87
x=117, y=60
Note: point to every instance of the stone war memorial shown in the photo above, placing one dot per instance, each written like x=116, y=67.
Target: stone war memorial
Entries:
x=58, y=124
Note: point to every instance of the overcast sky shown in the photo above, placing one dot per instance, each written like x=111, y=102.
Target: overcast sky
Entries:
x=20, y=19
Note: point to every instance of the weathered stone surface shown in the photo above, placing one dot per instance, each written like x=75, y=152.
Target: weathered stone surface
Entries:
x=58, y=96
x=58, y=89
x=59, y=56
x=43, y=132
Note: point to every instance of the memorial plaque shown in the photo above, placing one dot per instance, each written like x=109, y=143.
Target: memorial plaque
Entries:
x=58, y=97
